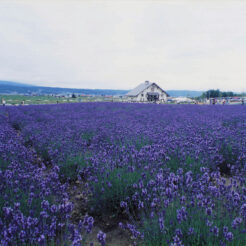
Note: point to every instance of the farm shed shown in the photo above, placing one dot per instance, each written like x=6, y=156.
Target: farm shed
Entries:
x=147, y=92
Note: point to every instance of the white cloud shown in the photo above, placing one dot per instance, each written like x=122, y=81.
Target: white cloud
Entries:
x=180, y=45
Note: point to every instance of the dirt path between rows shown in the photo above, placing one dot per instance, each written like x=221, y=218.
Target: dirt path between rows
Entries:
x=114, y=235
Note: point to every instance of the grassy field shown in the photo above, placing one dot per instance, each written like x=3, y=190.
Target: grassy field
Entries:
x=28, y=100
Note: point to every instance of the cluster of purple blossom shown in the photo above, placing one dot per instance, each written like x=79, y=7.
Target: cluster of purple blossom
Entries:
x=164, y=166
x=34, y=204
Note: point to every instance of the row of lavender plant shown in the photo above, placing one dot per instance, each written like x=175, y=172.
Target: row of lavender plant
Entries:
x=34, y=204
x=158, y=166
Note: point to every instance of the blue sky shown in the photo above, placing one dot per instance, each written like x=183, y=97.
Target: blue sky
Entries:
x=195, y=45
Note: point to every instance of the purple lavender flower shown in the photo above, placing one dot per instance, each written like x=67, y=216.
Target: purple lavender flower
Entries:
x=121, y=225
x=123, y=204
x=191, y=231
x=243, y=210
x=161, y=223
x=225, y=229
x=209, y=211
x=236, y=222
x=140, y=205
x=229, y=236
x=176, y=241
x=181, y=214
x=101, y=237
x=41, y=240
x=87, y=224
x=215, y=231
x=179, y=233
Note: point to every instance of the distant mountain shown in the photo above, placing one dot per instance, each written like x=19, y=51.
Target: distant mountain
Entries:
x=9, y=87
x=184, y=93
x=4, y=82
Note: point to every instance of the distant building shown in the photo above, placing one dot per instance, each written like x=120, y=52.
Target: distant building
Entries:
x=147, y=92
x=179, y=100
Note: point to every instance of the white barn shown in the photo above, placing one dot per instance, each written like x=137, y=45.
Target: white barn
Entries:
x=147, y=92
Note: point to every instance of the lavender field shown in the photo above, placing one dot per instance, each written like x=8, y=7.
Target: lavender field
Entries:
x=163, y=174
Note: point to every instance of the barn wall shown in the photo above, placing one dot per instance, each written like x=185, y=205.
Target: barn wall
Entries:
x=162, y=95
x=140, y=98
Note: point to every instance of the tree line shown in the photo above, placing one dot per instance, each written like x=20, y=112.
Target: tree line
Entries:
x=218, y=93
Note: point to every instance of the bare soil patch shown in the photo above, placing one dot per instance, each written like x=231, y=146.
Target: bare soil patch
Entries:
x=115, y=236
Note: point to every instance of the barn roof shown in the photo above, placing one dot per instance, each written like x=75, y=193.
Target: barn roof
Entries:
x=139, y=89
x=136, y=91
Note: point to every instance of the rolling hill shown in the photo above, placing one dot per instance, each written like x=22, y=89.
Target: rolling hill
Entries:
x=10, y=87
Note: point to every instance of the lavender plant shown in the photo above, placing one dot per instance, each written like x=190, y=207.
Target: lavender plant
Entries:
x=177, y=172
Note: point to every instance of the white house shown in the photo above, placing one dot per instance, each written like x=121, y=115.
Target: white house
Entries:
x=147, y=92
